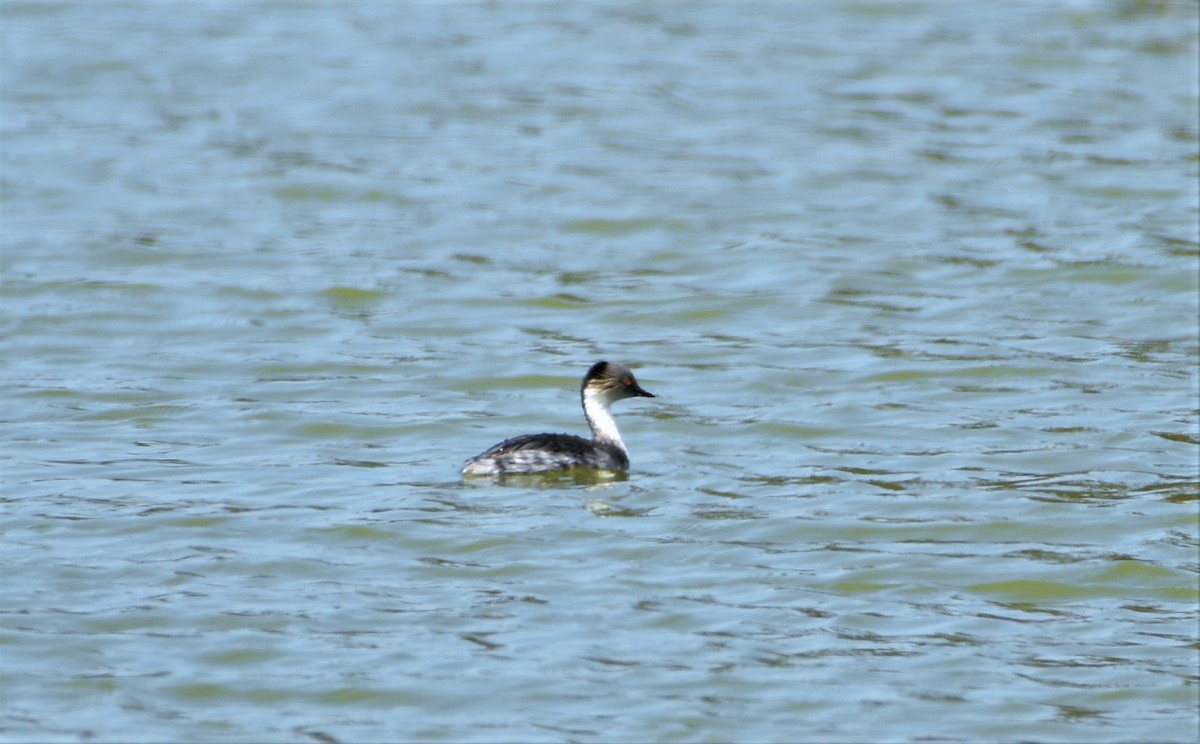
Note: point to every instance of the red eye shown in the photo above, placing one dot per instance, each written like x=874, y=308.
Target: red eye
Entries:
x=628, y=382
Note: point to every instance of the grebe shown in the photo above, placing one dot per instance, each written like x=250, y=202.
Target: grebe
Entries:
x=604, y=384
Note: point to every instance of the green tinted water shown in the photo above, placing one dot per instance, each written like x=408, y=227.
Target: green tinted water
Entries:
x=916, y=286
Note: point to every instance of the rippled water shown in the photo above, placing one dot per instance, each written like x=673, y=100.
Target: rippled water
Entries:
x=915, y=283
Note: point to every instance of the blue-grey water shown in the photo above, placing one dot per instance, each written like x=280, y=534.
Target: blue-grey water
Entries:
x=916, y=284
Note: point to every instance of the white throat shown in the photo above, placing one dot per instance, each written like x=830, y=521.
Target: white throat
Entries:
x=604, y=427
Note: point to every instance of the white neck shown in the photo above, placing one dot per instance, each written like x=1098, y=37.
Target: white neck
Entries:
x=604, y=427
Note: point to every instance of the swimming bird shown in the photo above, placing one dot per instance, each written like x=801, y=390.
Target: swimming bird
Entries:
x=604, y=384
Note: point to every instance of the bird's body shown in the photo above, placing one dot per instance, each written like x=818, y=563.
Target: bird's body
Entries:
x=604, y=384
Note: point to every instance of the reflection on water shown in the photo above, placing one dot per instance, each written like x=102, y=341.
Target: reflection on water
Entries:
x=917, y=285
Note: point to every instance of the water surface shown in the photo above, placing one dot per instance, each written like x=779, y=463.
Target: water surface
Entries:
x=915, y=283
